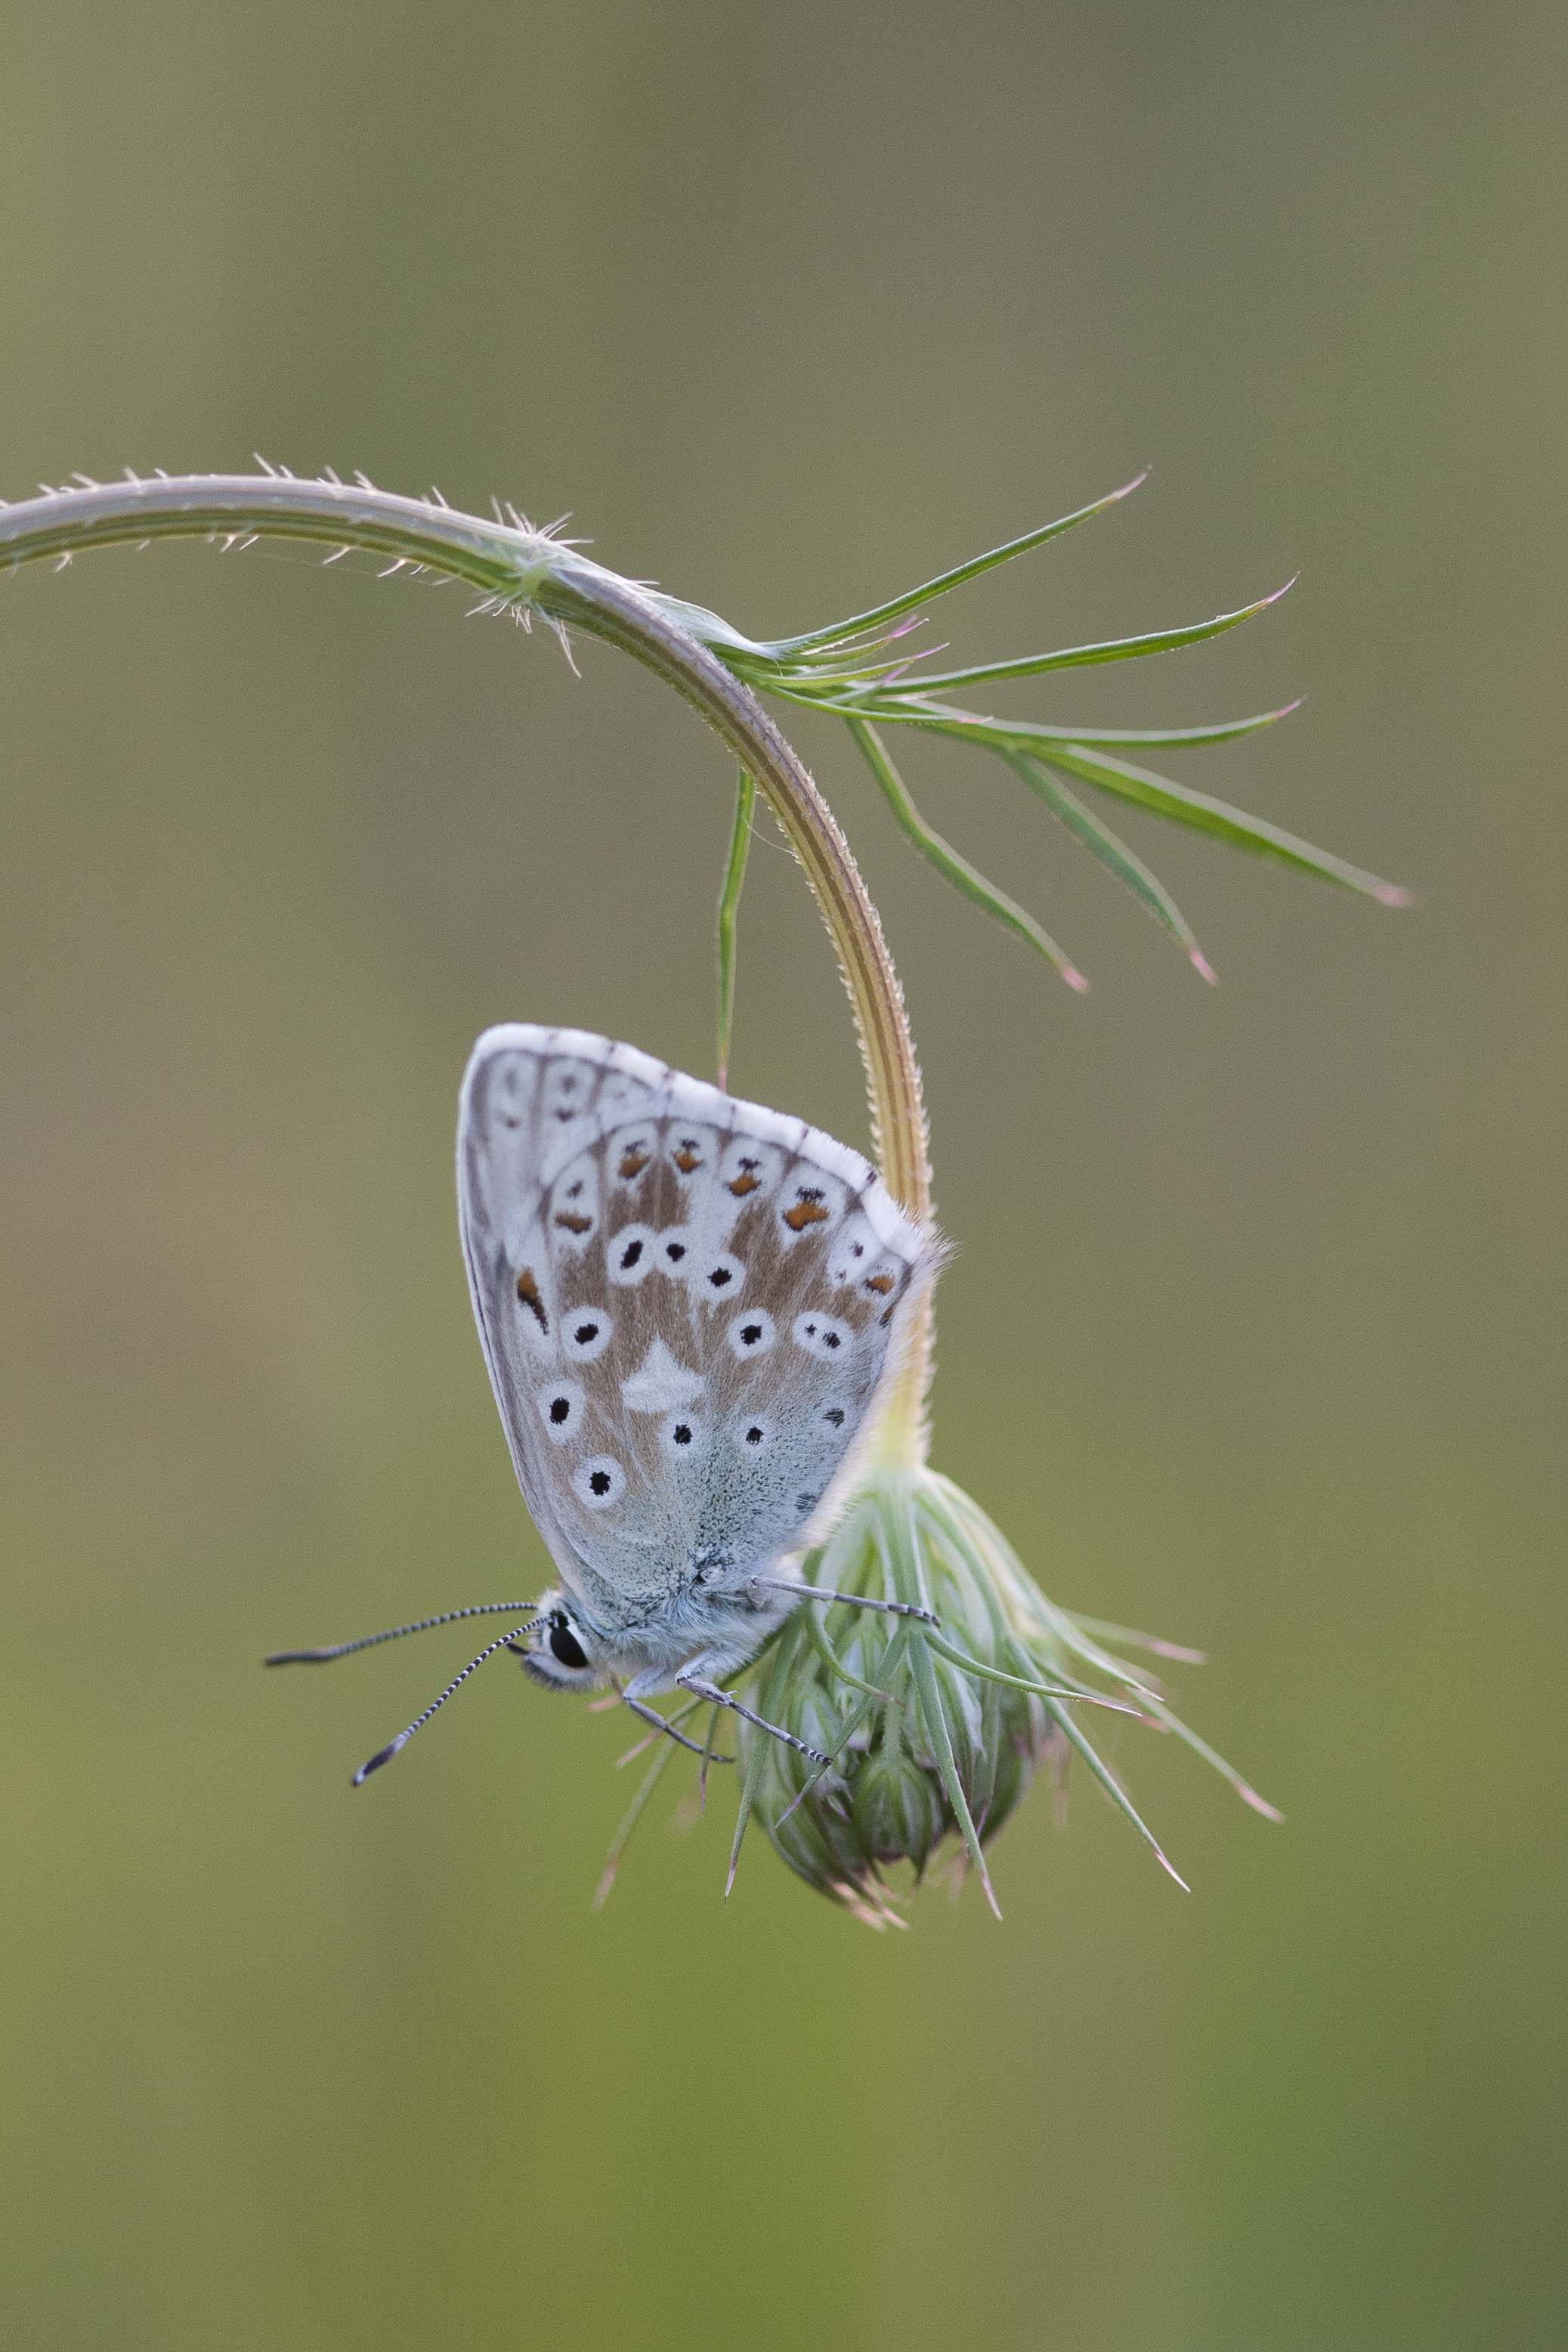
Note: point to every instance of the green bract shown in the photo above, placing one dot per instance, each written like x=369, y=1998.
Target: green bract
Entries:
x=936, y=1732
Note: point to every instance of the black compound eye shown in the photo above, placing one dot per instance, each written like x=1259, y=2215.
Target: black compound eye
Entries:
x=565, y=1647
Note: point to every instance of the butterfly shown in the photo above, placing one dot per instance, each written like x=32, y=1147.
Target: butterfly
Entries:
x=690, y=1308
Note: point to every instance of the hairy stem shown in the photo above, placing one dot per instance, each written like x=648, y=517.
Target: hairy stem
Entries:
x=529, y=571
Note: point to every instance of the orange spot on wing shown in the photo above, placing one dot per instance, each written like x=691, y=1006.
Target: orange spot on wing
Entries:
x=574, y=1225
x=529, y=1292
x=741, y=1185
x=633, y=1162
x=685, y=1159
x=881, y=1282
x=807, y=1211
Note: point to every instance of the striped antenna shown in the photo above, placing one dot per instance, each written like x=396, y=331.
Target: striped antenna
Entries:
x=385, y=1755
x=395, y=1634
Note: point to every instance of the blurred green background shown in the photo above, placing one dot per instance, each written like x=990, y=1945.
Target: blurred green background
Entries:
x=1256, y=1334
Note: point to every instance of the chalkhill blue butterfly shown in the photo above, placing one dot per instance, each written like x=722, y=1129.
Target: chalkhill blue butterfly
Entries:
x=690, y=1307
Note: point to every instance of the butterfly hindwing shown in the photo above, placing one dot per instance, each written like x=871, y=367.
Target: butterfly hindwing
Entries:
x=687, y=1305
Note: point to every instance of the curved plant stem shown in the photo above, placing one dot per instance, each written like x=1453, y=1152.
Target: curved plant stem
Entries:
x=518, y=568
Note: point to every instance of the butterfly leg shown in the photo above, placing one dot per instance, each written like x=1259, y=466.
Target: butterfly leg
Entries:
x=851, y=1600
x=701, y=1688
x=661, y=1723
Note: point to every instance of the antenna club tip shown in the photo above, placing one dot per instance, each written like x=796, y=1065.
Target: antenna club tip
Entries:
x=385, y=1756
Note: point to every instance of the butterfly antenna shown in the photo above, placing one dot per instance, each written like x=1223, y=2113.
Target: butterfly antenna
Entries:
x=394, y=1634
x=385, y=1755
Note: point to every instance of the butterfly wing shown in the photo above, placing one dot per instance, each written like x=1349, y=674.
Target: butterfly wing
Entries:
x=688, y=1305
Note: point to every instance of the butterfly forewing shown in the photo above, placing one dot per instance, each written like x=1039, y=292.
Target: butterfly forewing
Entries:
x=687, y=1305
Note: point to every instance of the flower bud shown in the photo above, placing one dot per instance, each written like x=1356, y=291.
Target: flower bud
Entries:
x=923, y=1750
x=896, y=1812
x=934, y=1712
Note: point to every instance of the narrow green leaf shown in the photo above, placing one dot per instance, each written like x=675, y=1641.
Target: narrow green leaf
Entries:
x=913, y=709
x=1185, y=806
x=728, y=908
x=756, y=1763
x=898, y=605
x=1023, y=1683
x=1136, y=1640
x=1243, y=1788
x=1070, y=1635
x=955, y=868
x=633, y=1814
x=851, y=1725
x=1113, y=853
x=831, y=1658
x=707, y=1758
x=937, y=1731
x=1114, y=1790
x=1160, y=641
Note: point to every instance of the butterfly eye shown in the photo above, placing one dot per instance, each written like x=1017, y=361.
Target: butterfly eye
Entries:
x=564, y=1646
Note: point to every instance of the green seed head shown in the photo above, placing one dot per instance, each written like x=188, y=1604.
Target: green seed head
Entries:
x=926, y=1751
x=935, y=1730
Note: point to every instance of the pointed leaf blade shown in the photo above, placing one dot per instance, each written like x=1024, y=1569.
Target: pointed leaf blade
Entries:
x=1157, y=641
x=1114, y=854
x=1218, y=818
x=910, y=602
x=955, y=867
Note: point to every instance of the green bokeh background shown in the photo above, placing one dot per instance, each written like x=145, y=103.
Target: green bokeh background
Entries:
x=1256, y=1333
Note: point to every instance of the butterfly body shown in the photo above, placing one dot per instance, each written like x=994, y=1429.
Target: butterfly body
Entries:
x=689, y=1307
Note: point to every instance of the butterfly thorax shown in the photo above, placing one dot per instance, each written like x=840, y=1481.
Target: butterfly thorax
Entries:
x=721, y=1623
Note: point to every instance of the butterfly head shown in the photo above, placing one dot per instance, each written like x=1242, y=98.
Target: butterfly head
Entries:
x=559, y=1653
